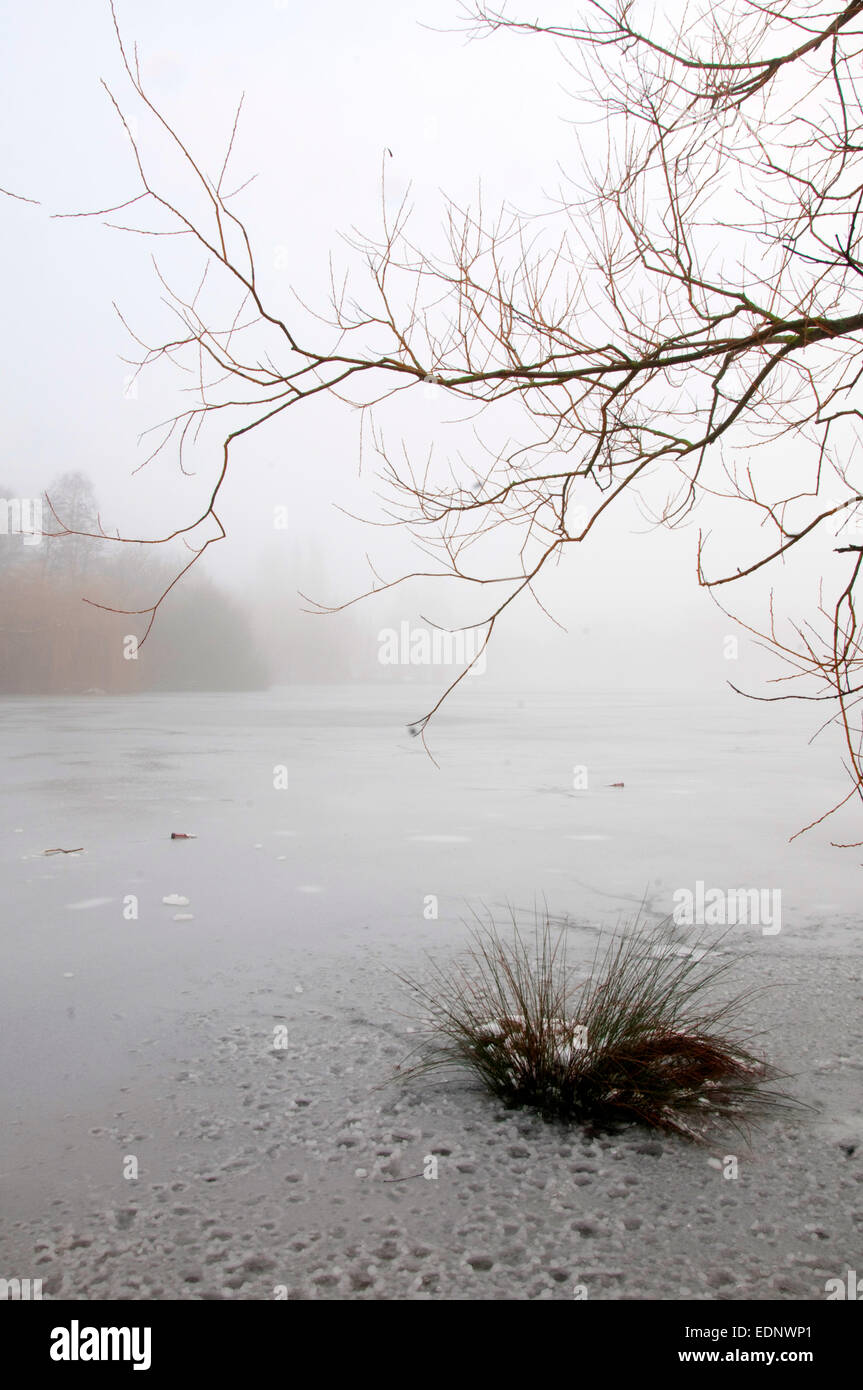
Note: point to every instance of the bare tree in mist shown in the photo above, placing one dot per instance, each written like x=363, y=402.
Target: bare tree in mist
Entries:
x=683, y=325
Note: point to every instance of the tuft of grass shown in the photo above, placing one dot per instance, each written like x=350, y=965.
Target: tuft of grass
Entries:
x=643, y=1038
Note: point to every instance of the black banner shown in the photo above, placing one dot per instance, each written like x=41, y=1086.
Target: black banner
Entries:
x=154, y=1339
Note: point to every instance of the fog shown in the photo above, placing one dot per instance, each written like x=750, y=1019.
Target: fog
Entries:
x=226, y=853
x=458, y=117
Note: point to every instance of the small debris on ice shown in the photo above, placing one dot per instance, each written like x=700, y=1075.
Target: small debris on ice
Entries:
x=184, y=916
x=175, y=900
x=181, y=835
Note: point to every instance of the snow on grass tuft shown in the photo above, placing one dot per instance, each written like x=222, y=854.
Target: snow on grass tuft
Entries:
x=643, y=1038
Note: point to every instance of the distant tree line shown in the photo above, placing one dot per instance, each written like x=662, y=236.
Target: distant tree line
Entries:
x=52, y=642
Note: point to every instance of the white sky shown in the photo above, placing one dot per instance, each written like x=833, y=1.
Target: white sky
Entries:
x=328, y=88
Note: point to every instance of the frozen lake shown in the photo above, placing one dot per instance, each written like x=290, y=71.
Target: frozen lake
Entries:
x=329, y=879
x=368, y=828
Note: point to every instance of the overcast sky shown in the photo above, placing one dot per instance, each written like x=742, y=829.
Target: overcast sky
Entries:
x=328, y=89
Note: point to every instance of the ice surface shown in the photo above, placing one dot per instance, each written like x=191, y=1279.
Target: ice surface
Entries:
x=129, y=1036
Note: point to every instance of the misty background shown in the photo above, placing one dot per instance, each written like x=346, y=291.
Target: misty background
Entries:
x=489, y=119
x=597, y=766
